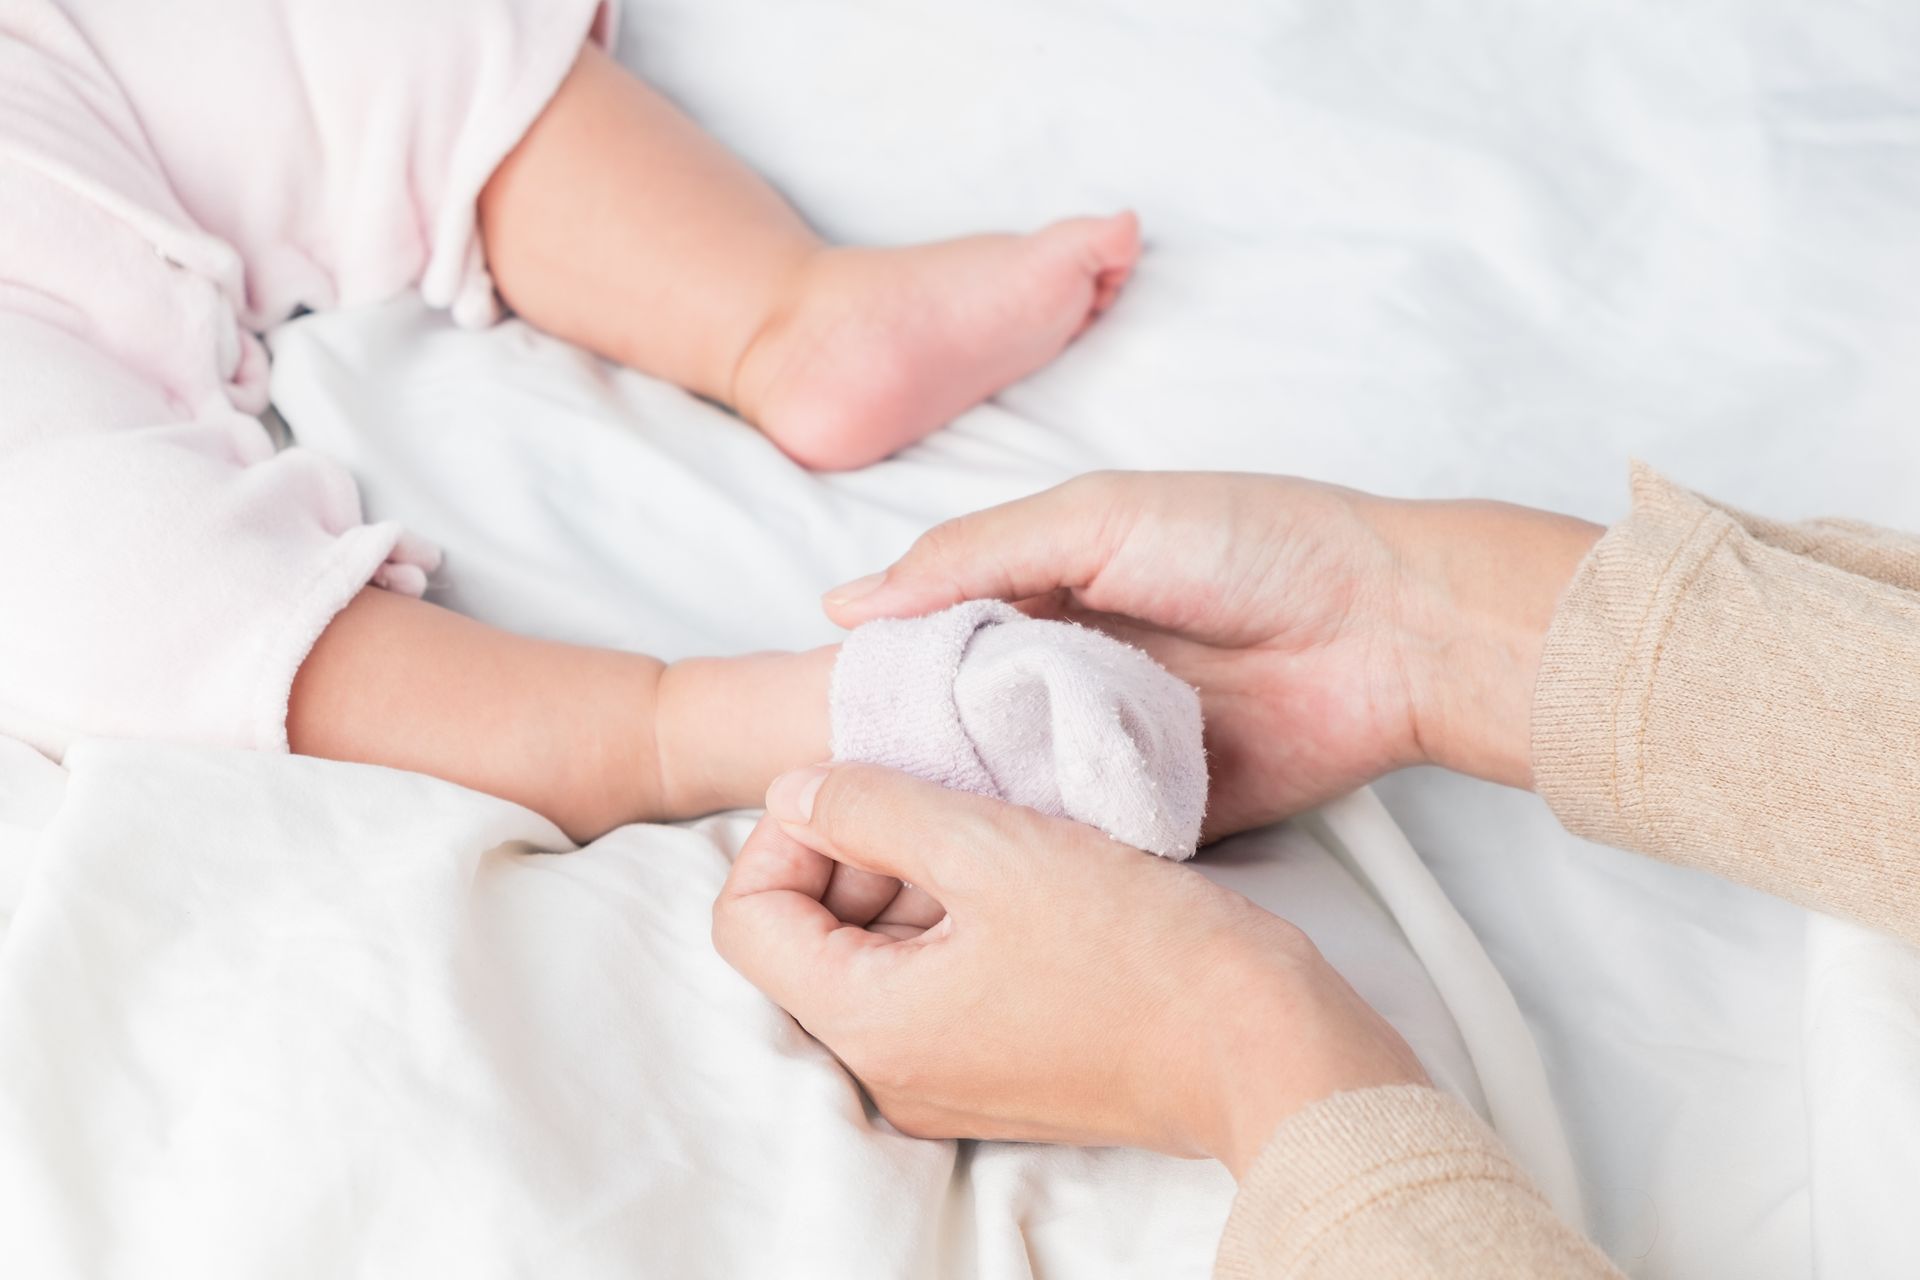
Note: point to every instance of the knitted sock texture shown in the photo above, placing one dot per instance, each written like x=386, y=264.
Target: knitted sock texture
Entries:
x=1051, y=715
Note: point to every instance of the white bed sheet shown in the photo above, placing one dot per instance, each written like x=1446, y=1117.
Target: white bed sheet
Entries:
x=262, y=1015
x=1438, y=248
x=1423, y=247
x=267, y=1015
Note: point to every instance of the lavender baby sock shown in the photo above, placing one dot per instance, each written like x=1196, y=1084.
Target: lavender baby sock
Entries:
x=1051, y=715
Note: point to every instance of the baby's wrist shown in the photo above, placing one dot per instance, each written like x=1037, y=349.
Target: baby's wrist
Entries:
x=724, y=728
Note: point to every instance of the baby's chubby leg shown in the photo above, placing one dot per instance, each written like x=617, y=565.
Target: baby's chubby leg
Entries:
x=617, y=224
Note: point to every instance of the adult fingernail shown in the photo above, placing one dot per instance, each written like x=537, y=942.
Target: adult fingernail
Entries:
x=790, y=798
x=858, y=589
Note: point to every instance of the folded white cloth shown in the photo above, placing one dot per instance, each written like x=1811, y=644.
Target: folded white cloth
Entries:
x=1050, y=715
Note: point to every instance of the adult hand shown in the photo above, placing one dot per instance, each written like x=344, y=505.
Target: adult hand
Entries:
x=1074, y=990
x=1333, y=636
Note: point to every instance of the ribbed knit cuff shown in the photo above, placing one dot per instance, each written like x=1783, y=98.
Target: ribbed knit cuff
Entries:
x=1602, y=654
x=1340, y=1157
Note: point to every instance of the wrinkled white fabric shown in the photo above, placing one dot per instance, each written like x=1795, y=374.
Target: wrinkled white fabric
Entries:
x=1428, y=249
x=265, y=1015
x=1863, y=1109
x=1051, y=715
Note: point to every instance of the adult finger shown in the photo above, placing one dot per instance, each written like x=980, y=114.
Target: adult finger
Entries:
x=857, y=896
x=1055, y=540
x=770, y=924
x=912, y=908
x=953, y=844
x=866, y=898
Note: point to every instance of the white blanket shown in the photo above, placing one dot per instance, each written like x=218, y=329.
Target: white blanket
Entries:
x=272, y=1016
x=1424, y=247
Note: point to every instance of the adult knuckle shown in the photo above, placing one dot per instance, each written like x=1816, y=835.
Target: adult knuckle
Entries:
x=883, y=1070
x=947, y=543
x=910, y=1118
x=730, y=936
x=1104, y=483
x=890, y=1072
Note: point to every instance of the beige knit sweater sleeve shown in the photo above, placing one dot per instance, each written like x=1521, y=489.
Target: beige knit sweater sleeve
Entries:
x=1725, y=692
x=1399, y=1181
x=1716, y=690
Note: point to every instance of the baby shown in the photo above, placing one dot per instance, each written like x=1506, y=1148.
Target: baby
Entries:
x=841, y=356
x=178, y=176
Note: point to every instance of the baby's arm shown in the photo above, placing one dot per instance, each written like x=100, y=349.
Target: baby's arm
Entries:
x=591, y=738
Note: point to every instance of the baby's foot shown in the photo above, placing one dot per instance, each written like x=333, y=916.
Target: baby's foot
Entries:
x=878, y=347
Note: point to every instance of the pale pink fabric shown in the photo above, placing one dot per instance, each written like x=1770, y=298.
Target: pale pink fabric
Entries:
x=176, y=175
x=1050, y=715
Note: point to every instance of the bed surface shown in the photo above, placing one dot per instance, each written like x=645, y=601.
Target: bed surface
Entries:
x=1424, y=248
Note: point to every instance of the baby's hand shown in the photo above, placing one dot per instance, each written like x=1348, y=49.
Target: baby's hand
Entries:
x=1053, y=716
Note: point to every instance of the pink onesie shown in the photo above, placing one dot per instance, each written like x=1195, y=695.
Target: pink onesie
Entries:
x=175, y=176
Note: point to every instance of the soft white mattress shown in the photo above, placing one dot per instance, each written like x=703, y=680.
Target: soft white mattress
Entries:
x=1424, y=247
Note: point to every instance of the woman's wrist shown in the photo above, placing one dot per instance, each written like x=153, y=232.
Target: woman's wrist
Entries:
x=1281, y=1031
x=1478, y=585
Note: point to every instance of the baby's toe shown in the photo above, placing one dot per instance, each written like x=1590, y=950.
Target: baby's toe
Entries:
x=1095, y=246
